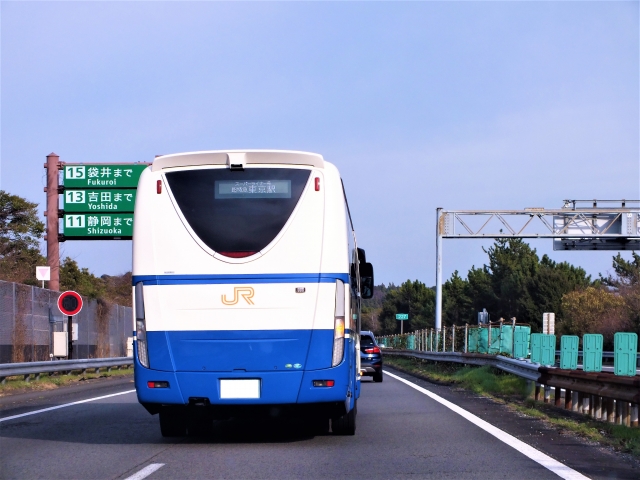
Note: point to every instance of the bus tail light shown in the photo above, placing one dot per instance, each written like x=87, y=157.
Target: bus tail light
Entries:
x=141, y=328
x=324, y=383
x=157, y=384
x=338, y=329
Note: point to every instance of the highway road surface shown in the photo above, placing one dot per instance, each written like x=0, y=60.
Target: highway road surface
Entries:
x=406, y=428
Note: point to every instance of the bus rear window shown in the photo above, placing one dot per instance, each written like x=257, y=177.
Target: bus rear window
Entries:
x=237, y=213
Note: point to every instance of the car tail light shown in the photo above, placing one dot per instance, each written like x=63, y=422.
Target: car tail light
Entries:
x=324, y=383
x=338, y=329
x=156, y=384
x=372, y=350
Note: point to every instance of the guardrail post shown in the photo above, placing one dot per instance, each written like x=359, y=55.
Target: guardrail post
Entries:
x=27, y=377
x=557, y=394
x=547, y=393
x=625, y=420
x=444, y=339
x=453, y=339
x=618, y=412
x=611, y=413
x=634, y=414
x=568, y=399
x=597, y=407
x=586, y=403
x=513, y=337
x=537, y=394
x=466, y=337
x=575, y=401
x=580, y=402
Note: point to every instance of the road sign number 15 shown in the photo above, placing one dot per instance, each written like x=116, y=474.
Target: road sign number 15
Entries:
x=75, y=172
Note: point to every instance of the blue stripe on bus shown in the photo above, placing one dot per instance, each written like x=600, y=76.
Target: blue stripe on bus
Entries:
x=240, y=279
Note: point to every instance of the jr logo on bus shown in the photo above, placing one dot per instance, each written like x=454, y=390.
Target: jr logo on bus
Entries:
x=244, y=292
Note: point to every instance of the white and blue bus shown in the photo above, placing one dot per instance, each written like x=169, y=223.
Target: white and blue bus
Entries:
x=247, y=283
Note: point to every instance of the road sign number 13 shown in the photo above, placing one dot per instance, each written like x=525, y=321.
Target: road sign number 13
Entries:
x=74, y=196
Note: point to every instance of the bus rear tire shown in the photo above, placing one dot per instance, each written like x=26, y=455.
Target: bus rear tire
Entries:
x=345, y=424
x=173, y=422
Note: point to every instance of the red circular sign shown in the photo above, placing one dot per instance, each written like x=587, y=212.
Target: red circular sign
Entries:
x=70, y=302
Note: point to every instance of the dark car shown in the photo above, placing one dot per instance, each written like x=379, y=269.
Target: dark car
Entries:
x=370, y=357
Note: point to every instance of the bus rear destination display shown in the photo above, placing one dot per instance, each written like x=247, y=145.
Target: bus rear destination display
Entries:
x=252, y=189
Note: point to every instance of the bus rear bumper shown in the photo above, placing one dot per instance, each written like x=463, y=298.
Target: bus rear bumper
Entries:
x=275, y=388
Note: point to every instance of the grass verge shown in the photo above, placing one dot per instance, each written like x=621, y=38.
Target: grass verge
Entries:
x=15, y=385
x=516, y=393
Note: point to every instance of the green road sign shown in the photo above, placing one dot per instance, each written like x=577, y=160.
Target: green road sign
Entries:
x=402, y=316
x=98, y=200
x=102, y=176
x=98, y=226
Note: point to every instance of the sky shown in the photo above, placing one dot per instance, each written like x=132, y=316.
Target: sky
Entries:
x=460, y=105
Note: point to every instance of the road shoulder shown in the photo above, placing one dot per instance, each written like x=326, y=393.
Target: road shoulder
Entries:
x=589, y=458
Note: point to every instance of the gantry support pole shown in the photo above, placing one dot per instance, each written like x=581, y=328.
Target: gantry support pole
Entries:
x=439, y=230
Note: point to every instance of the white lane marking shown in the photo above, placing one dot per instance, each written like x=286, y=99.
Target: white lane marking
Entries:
x=546, y=461
x=145, y=472
x=63, y=406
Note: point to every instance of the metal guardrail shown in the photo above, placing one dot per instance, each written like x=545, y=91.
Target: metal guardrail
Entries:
x=602, y=396
x=521, y=368
x=27, y=369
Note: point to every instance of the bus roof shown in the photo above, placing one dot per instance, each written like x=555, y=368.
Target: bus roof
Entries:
x=233, y=157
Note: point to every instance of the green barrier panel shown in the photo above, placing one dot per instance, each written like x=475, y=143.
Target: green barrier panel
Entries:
x=592, y=352
x=494, y=348
x=548, y=350
x=521, y=346
x=411, y=342
x=506, y=339
x=472, y=347
x=569, y=352
x=536, y=347
x=625, y=353
x=483, y=340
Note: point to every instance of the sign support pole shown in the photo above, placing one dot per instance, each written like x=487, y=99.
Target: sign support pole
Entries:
x=70, y=338
x=439, y=229
x=53, y=166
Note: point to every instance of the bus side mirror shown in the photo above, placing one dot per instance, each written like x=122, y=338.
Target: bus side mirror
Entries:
x=366, y=280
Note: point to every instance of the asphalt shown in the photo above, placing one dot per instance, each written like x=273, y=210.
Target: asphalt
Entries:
x=401, y=433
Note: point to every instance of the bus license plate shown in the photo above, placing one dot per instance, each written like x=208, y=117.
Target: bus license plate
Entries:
x=245, y=388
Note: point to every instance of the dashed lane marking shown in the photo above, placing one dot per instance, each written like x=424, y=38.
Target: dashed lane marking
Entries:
x=63, y=406
x=145, y=472
x=546, y=461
